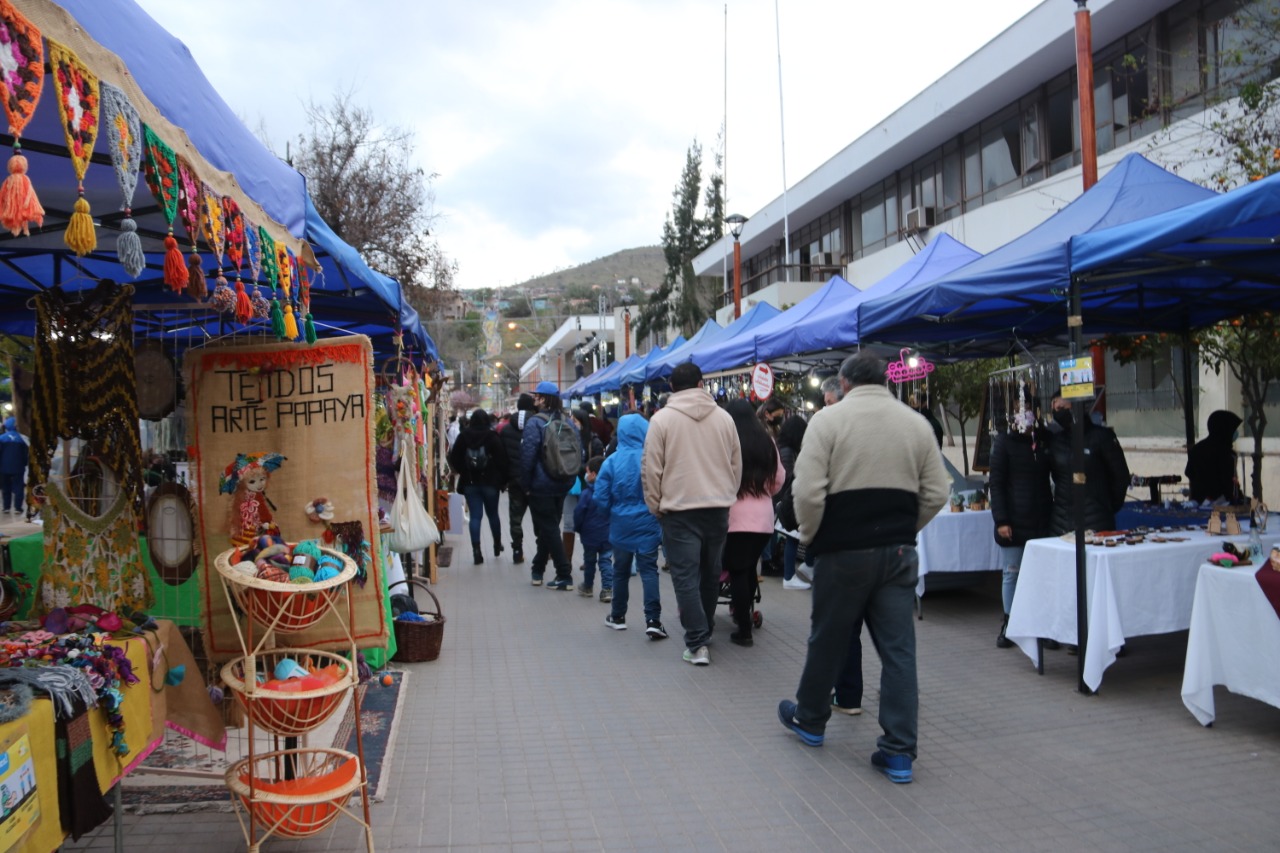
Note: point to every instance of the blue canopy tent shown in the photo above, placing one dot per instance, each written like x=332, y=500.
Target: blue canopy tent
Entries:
x=636, y=375
x=608, y=380
x=675, y=354
x=834, y=325
x=707, y=355
x=163, y=81
x=740, y=349
x=1020, y=289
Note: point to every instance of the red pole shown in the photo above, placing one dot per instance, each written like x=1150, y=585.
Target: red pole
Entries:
x=1084, y=77
x=1089, y=151
x=737, y=278
x=626, y=333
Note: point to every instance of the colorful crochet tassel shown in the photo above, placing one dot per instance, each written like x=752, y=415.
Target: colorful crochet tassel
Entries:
x=309, y=328
x=196, y=286
x=18, y=203
x=277, y=319
x=244, y=307
x=175, y=268
x=80, y=237
x=290, y=323
x=129, y=247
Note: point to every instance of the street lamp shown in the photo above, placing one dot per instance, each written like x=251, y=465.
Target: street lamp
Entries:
x=735, y=222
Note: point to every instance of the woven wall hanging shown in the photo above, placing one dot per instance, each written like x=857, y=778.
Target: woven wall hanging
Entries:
x=21, y=80
x=77, y=90
x=122, y=129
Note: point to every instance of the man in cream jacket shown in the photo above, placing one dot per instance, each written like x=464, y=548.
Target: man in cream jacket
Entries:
x=868, y=478
x=691, y=470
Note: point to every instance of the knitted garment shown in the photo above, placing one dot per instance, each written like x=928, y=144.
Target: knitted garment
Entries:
x=85, y=385
x=123, y=132
x=92, y=560
x=80, y=802
x=67, y=687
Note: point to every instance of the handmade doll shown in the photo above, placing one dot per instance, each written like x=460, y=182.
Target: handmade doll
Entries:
x=251, y=510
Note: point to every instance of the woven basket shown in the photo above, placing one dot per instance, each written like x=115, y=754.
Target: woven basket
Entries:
x=305, y=805
x=285, y=607
x=419, y=641
x=288, y=713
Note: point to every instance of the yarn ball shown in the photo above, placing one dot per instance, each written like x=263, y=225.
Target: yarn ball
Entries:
x=301, y=574
x=387, y=680
x=223, y=299
x=215, y=694
x=246, y=567
x=289, y=668
x=325, y=573
x=274, y=574
x=308, y=548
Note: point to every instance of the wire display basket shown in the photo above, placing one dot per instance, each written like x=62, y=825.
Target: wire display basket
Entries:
x=288, y=712
x=295, y=793
x=284, y=607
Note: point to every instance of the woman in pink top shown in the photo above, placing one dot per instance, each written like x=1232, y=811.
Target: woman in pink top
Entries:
x=751, y=516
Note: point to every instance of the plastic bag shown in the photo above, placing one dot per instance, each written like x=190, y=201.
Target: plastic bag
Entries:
x=412, y=527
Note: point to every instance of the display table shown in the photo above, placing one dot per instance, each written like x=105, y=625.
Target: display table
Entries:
x=184, y=707
x=957, y=542
x=1234, y=641
x=1133, y=590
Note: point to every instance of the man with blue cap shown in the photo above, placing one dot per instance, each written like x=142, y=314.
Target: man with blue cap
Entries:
x=13, y=465
x=545, y=489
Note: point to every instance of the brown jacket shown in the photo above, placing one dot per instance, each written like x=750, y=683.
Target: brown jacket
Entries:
x=692, y=458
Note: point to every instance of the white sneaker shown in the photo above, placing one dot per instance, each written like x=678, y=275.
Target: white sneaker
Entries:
x=795, y=583
x=698, y=657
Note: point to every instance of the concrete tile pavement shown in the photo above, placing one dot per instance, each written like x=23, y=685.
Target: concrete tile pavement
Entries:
x=541, y=729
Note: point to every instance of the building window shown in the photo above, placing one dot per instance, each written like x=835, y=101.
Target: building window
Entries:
x=1001, y=154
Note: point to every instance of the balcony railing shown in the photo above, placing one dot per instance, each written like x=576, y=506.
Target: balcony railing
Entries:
x=778, y=272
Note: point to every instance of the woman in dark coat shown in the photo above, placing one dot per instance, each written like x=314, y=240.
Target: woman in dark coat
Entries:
x=480, y=461
x=790, y=437
x=1211, y=464
x=1105, y=469
x=1021, y=501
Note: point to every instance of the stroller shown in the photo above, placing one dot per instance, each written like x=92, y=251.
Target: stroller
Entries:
x=724, y=596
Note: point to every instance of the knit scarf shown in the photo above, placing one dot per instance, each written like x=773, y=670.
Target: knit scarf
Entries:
x=79, y=800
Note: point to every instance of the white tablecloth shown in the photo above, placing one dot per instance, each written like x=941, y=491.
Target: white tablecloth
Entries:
x=1234, y=641
x=957, y=542
x=1132, y=590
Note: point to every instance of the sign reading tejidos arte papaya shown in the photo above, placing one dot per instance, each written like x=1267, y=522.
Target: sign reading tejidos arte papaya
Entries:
x=312, y=405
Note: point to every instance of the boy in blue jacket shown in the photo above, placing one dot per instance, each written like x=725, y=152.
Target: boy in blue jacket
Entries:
x=592, y=526
x=634, y=532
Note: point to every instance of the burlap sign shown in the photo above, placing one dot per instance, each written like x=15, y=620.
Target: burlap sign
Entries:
x=313, y=405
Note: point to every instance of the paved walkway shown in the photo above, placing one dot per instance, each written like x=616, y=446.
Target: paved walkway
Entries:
x=541, y=729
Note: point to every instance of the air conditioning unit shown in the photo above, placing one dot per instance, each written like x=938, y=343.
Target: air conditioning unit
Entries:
x=823, y=259
x=918, y=219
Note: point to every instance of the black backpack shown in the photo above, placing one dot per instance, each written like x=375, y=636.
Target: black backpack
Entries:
x=477, y=460
x=561, y=449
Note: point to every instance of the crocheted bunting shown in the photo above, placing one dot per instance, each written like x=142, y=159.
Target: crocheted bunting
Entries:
x=77, y=89
x=212, y=222
x=189, y=200
x=285, y=264
x=302, y=276
x=234, y=231
x=160, y=168
x=22, y=76
x=253, y=249
x=269, y=265
x=124, y=139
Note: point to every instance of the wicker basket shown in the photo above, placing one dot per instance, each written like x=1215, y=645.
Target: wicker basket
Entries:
x=288, y=713
x=419, y=641
x=285, y=607
x=295, y=808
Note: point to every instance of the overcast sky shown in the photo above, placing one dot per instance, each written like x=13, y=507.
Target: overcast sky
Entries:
x=559, y=128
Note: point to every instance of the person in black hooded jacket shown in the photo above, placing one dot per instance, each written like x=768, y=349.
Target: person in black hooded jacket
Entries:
x=1105, y=469
x=512, y=432
x=1211, y=464
x=1020, y=502
x=480, y=461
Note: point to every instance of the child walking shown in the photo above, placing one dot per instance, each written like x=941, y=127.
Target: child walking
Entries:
x=592, y=525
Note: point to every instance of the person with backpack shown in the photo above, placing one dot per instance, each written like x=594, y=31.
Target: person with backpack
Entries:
x=551, y=459
x=517, y=500
x=480, y=461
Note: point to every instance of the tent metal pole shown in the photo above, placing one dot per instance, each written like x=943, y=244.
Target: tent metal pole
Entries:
x=1188, y=404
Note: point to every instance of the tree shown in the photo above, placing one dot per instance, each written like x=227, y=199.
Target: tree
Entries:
x=683, y=300
x=959, y=389
x=363, y=182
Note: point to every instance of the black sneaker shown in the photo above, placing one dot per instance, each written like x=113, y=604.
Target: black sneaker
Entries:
x=561, y=584
x=617, y=624
x=654, y=630
x=586, y=591
x=517, y=554
x=606, y=595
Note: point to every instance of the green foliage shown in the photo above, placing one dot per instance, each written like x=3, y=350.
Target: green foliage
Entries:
x=959, y=389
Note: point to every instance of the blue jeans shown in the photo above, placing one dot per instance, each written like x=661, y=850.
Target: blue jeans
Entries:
x=878, y=585
x=694, y=539
x=590, y=556
x=790, y=548
x=1010, y=560
x=483, y=500
x=647, y=566
x=12, y=491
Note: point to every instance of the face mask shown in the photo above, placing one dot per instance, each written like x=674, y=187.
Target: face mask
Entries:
x=1063, y=417
x=1235, y=436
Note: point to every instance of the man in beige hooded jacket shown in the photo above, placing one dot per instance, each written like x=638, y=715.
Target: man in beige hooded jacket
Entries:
x=691, y=470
